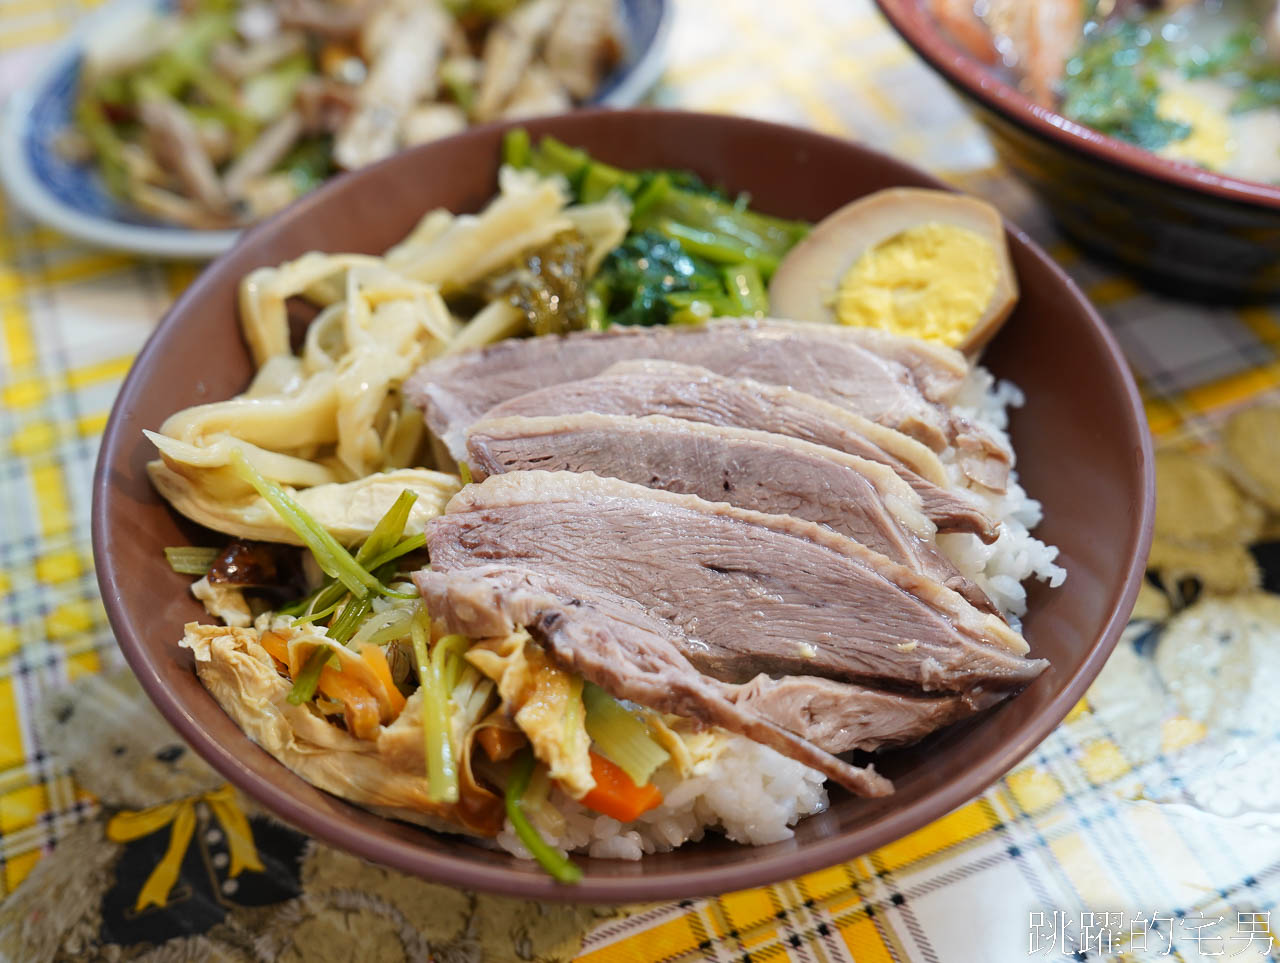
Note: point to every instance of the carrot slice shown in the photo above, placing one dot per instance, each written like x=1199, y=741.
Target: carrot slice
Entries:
x=376, y=660
x=277, y=649
x=360, y=707
x=616, y=795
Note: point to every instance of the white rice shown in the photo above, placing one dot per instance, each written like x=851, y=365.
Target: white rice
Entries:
x=1000, y=568
x=751, y=793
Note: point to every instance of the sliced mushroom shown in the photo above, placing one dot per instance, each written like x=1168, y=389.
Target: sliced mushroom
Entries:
x=538, y=93
x=583, y=45
x=509, y=48
x=431, y=122
x=264, y=153
x=176, y=145
x=403, y=74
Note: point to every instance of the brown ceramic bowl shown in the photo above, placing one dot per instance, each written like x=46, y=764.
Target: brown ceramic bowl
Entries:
x=1082, y=442
x=1180, y=227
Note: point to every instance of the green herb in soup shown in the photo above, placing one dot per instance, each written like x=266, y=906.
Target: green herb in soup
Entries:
x=1193, y=80
x=1112, y=85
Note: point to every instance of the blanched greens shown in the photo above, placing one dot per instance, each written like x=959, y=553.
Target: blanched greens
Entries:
x=692, y=252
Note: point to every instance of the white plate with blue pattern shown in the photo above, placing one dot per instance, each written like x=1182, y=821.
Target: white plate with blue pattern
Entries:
x=71, y=197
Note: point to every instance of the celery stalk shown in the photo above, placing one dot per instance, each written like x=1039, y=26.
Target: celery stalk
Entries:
x=333, y=559
x=349, y=619
x=442, y=771
x=550, y=859
x=318, y=614
x=447, y=658
x=386, y=534
x=190, y=559
x=620, y=736
x=410, y=544
x=308, y=677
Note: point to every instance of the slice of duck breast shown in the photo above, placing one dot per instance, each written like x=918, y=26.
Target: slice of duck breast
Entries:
x=758, y=470
x=749, y=592
x=832, y=362
x=839, y=716
x=615, y=644
x=691, y=393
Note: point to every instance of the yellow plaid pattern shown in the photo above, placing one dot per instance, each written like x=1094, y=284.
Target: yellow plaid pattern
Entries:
x=1089, y=821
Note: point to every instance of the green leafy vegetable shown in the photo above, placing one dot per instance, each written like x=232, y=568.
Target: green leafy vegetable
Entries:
x=550, y=859
x=599, y=180
x=746, y=289
x=636, y=277
x=683, y=232
x=718, y=247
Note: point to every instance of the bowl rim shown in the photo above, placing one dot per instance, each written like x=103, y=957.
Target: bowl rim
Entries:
x=29, y=192
x=454, y=869
x=924, y=35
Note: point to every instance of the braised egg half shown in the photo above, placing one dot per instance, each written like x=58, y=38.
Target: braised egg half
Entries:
x=925, y=263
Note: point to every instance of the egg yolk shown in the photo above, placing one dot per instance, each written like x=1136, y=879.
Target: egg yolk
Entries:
x=1210, y=143
x=933, y=281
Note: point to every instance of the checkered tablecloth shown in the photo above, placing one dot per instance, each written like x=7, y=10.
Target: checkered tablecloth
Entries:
x=1128, y=809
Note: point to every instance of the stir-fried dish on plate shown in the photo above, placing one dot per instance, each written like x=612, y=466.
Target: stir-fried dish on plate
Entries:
x=554, y=532
x=216, y=113
x=1192, y=80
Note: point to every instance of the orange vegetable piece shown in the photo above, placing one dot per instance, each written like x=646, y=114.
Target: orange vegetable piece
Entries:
x=498, y=743
x=361, y=708
x=616, y=795
x=276, y=648
x=376, y=660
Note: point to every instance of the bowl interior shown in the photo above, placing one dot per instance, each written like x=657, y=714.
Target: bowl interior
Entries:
x=1082, y=445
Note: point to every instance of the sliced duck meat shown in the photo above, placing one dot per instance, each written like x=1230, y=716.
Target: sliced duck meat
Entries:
x=693, y=393
x=749, y=592
x=937, y=370
x=752, y=469
x=824, y=360
x=839, y=716
x=615, y=644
